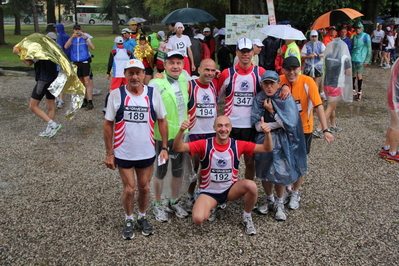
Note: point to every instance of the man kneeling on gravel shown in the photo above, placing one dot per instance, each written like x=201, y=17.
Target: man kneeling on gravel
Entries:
x=219, y=157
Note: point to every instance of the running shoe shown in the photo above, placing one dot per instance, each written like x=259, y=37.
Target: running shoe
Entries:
x=60, y=104
x=336, y=129
x=46, y=132
x=189, y=205
x=265, y=208
x=249, y=226
x=178, y=210
x=84, y=104
x=318, y=133
x=128, y=232
x=89, y=106
x=160, y=214
x=212, y=217
x=359, y=97
x=287, y=195
x=146, y=228
x=294, y=201
x=384, y=152
x=393, y=158
x=280, y=212
x=54, y=130
x=222, y=206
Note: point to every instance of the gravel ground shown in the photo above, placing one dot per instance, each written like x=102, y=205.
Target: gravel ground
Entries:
x=59, y=205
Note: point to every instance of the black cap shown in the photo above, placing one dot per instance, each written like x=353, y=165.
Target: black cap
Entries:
x=142, y=37
x=77, y=27
x=291, y=61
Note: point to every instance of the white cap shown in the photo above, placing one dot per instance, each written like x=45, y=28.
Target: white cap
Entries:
x=125, y=30
x=52, y=35
x=199, y=36
x=179, y=24
x=244, y=43
x=134, y=63
x=206, y=29
x=314, y=33
x=388, y=29
x=162, y=34
x=174, y=54
x=257, y=42
x=118, y=40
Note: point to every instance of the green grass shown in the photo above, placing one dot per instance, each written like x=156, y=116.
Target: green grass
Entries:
x=103, y=42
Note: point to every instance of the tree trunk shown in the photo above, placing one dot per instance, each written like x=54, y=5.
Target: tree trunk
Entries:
x=59, y=12
x=51, y=12
x=17, y=28
x=35, y=18
x=371, y=9
x=2, y=39
x=115, y=18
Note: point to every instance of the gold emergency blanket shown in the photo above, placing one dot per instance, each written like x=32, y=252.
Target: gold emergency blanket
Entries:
x=142, y=52
x=39, y=46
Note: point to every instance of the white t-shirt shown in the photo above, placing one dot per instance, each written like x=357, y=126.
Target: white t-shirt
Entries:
x=179, y=44
x=134, y=134
x=378, y=36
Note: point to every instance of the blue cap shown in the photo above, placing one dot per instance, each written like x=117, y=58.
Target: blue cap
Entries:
x=271, y=76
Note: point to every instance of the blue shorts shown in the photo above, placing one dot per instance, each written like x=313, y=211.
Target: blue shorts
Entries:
x=140, y=164
x=221, y=197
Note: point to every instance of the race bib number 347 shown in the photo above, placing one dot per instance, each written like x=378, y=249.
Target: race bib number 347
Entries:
x=135, y=114
x=243, y=98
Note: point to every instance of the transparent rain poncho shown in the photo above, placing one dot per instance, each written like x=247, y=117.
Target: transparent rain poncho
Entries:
x=337, y=74
x=314, y=63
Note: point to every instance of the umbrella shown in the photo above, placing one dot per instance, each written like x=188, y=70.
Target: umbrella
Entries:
x=283, y=32
x=138, y=20
x=222, y=31
x=366, y=22
x=391, y=21
x=186, y=15
x=334, y=17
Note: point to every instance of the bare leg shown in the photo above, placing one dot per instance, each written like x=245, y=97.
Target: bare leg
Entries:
x=298, y=183
x=202, y=208
x=175, y=184
x=249, y=167
x=143, y=184
x=158, y=187
x=34, y=107
x=246, y=188
x=127, y=176
x=268, y=187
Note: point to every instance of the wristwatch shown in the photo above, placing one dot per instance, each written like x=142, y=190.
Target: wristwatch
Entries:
x=165, y=149
x=327, y=130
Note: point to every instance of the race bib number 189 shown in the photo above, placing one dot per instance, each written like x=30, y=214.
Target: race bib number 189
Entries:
x=135, y=114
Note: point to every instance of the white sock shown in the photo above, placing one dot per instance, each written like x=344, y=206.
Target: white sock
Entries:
x=271, y=198
x=51, y=123
x=141, y=215
x=280, y=200
x=387, y=147
x=129, y=217
x=246, y=214
x=392, y=153
x=296, y=192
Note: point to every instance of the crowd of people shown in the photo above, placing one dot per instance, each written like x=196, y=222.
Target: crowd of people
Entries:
x=166, y=86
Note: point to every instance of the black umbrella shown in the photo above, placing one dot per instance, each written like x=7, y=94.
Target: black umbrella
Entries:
x=186, y=15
